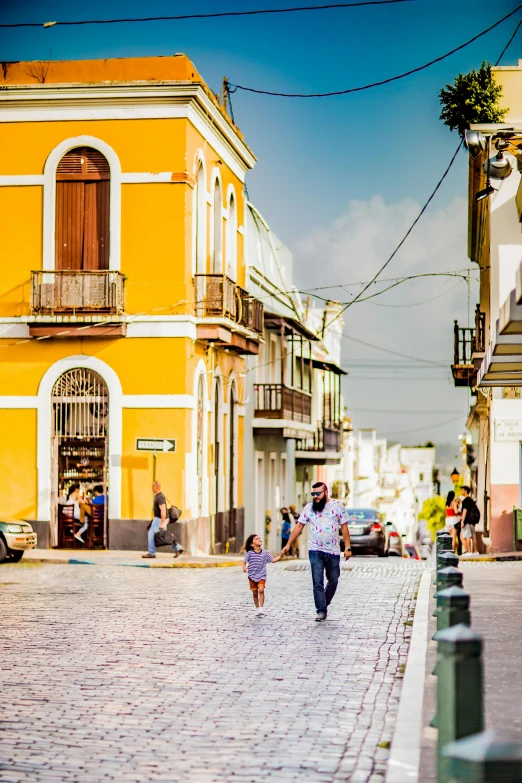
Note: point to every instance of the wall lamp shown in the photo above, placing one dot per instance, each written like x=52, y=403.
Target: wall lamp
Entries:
x=499, y=166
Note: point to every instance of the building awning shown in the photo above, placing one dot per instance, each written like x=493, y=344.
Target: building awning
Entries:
x=510, y=316
x=289, y=326
x=322, y=364
x=502, y=364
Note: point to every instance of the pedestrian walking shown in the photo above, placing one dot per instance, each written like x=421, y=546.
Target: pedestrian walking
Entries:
x=159, y=521
x=254, y=564
x=286, y=528
x=325, y=518
x=452, y=520
x=469, y=517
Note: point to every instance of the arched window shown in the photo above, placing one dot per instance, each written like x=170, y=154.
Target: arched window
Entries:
x=201, y=221
x=232, y=239
x=82, y=210
x=217, y=253
x=200, y=446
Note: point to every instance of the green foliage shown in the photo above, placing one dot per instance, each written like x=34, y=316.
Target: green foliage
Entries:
x=434, y=512
x=473, y=97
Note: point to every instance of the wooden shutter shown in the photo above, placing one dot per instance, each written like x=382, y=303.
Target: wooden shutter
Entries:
x=69, y=225
x=82, y=210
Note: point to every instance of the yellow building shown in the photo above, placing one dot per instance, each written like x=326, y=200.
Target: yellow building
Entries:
x=124, y=318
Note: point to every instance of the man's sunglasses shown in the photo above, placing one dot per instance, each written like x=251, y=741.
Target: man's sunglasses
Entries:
x=316, y=494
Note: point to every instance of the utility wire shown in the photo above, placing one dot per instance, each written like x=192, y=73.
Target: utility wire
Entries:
x=403, y=240
x=380, y=410
x=382, y=81
x=421, y=429
x=215, y=15
x=430, y=199
x=395, y=353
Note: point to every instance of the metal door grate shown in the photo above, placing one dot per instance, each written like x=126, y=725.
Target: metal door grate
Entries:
x=80, y=405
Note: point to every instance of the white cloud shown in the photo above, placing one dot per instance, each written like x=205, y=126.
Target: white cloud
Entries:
x=352, y=249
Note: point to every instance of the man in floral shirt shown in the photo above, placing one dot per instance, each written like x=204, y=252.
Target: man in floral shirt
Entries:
x=325, y=517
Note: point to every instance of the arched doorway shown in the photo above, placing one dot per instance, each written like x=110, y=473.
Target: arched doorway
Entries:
x=80, y=411
x=82, y=211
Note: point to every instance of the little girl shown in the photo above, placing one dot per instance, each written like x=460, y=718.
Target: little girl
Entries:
x=254, y=563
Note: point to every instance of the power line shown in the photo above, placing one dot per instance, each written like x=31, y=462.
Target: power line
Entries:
x=382, y=81
x=387, y=350
x=451, y=273
x=430, y=199
x=403, y=240
x=215, y=15
x=379, y=410
x=429, y=427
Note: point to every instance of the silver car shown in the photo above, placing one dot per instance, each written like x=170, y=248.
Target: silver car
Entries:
x=15, y=537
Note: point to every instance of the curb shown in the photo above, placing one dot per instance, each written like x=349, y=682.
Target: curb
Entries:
x=78, y=561
x=404, y=758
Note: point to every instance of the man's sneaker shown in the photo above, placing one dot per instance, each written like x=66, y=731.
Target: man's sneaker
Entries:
x=320, y=617
x=148, y=555
x=79, y=538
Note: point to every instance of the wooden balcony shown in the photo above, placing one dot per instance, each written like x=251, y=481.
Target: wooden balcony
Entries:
x=218, y=299
x=74, y=292
x=277, y=401
x=463, y=369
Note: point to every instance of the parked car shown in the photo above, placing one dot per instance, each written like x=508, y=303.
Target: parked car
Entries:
x=412, y=551
x=15, y=537
x=368, y=532
x=395, y=546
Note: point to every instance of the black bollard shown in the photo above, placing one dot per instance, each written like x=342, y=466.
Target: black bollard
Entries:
x=483, y=758
x=460, y=702
x=452, y=608
x=444, y=560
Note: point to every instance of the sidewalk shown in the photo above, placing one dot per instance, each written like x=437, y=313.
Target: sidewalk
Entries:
x=127, y=558
x=496, y=607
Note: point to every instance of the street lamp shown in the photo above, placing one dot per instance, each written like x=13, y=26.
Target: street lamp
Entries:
x=455, y=475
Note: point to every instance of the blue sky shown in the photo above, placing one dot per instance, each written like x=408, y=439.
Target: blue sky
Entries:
x=321, y=163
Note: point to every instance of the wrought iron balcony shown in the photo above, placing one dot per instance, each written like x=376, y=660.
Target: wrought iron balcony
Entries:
x=463, y=369
x=72, y=291
x=277, y=401
x=216, y=296
x=325, y=438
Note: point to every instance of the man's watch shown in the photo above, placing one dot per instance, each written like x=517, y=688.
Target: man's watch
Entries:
x=347, y=548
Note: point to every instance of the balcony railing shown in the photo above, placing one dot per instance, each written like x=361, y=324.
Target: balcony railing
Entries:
x=479, y=338
x=325, y=438
x=277, y=401
x=216, y=296
x=71, y=291
x=463, y=369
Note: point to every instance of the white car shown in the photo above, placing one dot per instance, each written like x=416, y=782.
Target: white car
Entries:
x=15, y=537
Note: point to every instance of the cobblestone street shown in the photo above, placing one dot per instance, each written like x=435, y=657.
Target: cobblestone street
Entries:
x=130, y=674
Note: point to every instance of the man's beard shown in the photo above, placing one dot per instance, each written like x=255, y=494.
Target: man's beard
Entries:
x=320, y=504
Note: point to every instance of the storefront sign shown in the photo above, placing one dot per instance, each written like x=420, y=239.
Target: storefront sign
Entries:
x=156, y=444
x=508, y=430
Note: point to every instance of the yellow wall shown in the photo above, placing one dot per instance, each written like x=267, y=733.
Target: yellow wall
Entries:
x=137, y=467
x=18, y=475
x=156, y=259
x=510, y=78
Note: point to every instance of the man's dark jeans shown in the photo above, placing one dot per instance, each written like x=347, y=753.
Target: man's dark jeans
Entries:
x=324, y=563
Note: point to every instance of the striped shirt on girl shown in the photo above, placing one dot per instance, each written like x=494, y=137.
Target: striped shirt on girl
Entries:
x=257, y=564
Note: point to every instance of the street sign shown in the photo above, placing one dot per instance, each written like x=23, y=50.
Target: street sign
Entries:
x=508, y=430
x=156, y=444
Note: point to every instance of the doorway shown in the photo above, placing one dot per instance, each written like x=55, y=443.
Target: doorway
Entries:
x=80, y=410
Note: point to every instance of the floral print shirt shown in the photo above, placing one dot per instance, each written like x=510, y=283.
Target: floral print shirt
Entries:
x=324, y=526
